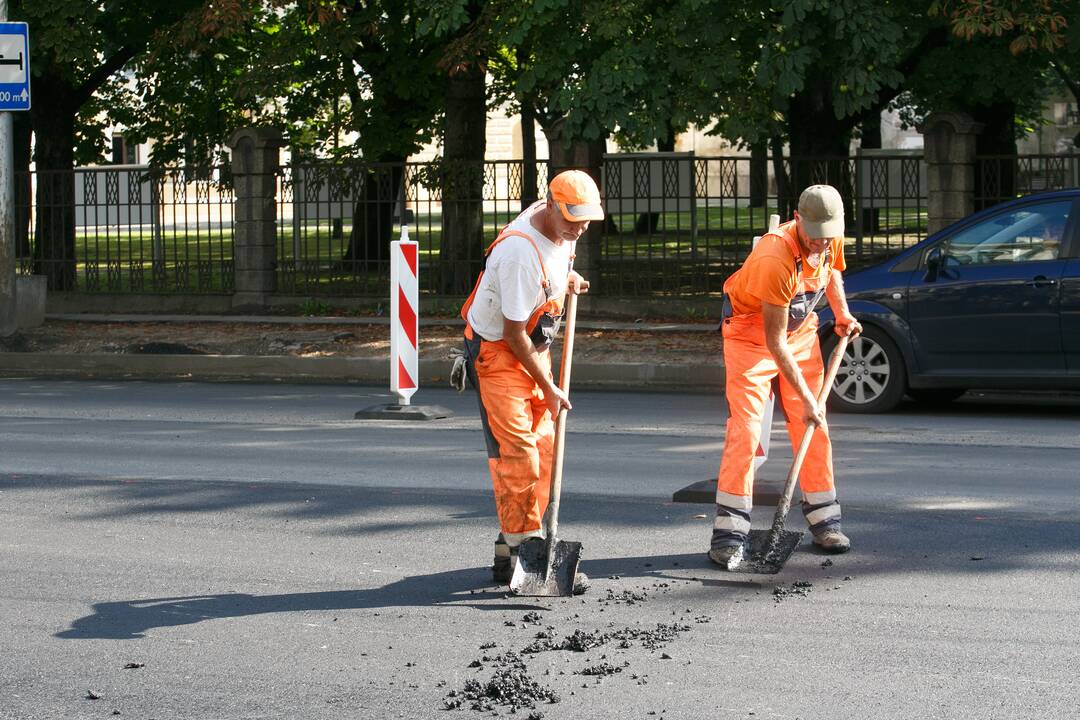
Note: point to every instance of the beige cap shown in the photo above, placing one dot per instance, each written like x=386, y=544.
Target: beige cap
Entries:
x=821, y=211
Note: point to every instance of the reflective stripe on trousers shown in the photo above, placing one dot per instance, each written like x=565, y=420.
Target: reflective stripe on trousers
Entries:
x=749, y=369
x=519, y=434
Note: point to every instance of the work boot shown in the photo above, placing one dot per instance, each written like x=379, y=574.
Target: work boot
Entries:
x=502, y=569
x=581, y=583
x=832, y=540
x=728, y=557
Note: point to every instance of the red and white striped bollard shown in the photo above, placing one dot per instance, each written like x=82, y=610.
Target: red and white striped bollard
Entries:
x=404, y=317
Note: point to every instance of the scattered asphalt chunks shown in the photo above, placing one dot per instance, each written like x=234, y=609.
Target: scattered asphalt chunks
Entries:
x=799, y=588
x=613, y=652
x=510, y=686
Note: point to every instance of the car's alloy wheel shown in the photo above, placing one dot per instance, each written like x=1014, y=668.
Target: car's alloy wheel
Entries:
x=872, y=377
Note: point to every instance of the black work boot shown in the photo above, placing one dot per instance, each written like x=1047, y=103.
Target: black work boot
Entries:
x=502, y=569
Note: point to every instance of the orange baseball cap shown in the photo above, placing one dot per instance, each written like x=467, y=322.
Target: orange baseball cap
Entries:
x=576, y=195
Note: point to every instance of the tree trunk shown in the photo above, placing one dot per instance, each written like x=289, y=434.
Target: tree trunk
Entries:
x=759, y=174
x=647, y=222
x=530, y=193
x=54, y=127
x=461, y=251
x=871, y=140
x=785, y=203
x=587, y=155
x=373, y=217
x=819, y=146
x=995, y=179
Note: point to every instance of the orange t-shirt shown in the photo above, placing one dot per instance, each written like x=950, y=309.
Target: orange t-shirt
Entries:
x=769, y=272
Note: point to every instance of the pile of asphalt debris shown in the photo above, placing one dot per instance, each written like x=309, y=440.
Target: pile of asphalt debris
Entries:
x=799, y=588
x=510, y=686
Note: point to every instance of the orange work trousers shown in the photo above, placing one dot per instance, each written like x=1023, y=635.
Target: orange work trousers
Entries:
x=520, y=435
x=749, y=370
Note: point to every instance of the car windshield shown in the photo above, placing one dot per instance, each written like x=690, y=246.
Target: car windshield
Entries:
x=1028, y=234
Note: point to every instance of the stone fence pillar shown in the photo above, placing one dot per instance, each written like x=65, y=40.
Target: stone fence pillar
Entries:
x=949, y=149
x=255, y=164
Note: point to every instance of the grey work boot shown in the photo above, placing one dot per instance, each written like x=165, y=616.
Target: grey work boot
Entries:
x=581, y=583
x=728, y=557
x=832, y=540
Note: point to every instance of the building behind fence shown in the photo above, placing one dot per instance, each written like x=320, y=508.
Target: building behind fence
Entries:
x=678, y=224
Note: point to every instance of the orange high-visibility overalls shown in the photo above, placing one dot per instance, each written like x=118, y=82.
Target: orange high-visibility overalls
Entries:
x=750, y=368
x=518, y=428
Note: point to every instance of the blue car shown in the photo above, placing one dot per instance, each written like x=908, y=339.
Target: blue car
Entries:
x=990, y=302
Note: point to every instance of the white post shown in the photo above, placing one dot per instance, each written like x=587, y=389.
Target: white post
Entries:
x=404, y=317
x=8, y=310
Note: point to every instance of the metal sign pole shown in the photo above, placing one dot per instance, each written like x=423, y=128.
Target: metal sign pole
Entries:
x=8, y=316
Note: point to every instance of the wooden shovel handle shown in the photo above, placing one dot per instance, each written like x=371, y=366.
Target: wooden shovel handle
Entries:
x=552, y=516
x=835, y=360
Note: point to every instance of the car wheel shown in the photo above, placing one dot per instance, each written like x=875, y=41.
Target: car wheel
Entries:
x=935, y=396
x=872, y=377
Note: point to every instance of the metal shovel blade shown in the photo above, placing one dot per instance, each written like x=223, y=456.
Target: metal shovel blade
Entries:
x=539, y=574
x=760, y=559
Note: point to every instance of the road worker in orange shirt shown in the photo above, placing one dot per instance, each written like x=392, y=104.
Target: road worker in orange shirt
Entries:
x=511, y=319
x=770, y=329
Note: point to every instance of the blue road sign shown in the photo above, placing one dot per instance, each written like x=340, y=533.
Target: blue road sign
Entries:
x=14, y=66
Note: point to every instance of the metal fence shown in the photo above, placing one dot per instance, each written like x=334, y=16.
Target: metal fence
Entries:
x=127, y=229
x=335, y=221
x=678, y=224
x=1003, y=177
x=695, y=225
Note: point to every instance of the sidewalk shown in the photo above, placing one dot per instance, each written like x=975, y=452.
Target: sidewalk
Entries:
x=608, y=355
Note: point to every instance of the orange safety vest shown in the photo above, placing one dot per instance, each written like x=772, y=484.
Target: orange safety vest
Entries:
x=811, y=288
x=551, y=307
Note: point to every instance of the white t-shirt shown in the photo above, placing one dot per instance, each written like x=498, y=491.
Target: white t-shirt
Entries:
x=511, y=285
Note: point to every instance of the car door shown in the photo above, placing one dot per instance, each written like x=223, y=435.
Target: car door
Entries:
x=989, y=301
x=1070, y=305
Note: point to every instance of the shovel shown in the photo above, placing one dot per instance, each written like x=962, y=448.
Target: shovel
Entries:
x=547, y=566
x=770, y=549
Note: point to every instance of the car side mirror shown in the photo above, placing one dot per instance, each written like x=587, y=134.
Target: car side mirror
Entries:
x=934, y=262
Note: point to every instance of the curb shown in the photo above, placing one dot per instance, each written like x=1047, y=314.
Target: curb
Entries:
x=364, y=371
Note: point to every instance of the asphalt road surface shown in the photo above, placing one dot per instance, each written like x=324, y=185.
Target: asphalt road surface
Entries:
x=253, y=552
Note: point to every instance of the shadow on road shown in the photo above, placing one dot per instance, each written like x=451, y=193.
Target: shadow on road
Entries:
x=470, y=588
x=127, y=619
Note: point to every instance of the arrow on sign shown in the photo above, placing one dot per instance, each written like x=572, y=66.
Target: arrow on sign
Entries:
x=6, y=61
